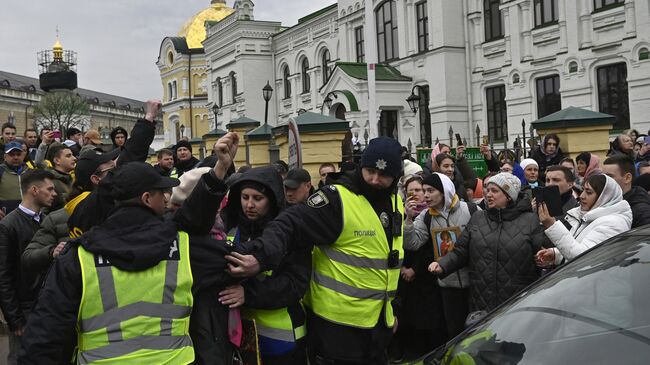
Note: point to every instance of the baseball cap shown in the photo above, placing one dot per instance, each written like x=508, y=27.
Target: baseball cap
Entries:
x=13, y=145
x=135, y=178
x=295, y=177
x=93, y=136
x=88, y=163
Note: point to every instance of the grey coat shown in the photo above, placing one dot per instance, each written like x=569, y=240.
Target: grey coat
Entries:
x=418, y=234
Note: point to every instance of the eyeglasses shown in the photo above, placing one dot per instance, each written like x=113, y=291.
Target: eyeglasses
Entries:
x=99, y=172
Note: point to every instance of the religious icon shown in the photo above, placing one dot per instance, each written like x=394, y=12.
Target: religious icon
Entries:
x=444, y=240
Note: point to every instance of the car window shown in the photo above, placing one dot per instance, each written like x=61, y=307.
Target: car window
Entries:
x=594, y=310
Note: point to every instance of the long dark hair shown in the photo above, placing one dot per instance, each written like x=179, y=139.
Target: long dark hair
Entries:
x=597, y=182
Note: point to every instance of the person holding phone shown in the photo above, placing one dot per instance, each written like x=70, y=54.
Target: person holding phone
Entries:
x=602, y=214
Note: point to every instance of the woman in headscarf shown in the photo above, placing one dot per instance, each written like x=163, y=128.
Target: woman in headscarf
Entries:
x=446, y=211
x=447, y=166
x=272, y=299
x=548, y=154
x=587, y=164
x=602, y=214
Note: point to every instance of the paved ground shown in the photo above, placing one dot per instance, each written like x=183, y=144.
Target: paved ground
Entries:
x=4, y=348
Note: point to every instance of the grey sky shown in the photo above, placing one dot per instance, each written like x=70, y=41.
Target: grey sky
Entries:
x=117, y=41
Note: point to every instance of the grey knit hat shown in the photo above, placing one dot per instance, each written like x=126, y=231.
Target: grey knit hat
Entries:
x=507, y=182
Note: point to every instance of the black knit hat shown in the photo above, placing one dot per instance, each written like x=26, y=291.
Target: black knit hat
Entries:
x=434, y=181
x=385, y=155
x=184, y=143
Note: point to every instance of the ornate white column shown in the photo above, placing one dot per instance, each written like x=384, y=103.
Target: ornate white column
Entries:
x=506, y=35
x=526, y=28
x=630, y=19
x=477, y=24
x=562, y=23
x=585, y=22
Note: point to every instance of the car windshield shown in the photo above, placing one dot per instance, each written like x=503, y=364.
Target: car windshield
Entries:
x=594, y=310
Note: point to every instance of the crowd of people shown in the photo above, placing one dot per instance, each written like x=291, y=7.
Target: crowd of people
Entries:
x=105, y=258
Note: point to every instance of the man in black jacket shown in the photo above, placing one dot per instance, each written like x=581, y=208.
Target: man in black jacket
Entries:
x=95, y=207
x=320, y=222
x=620, y=167
x=19, y=285
x=135, y=237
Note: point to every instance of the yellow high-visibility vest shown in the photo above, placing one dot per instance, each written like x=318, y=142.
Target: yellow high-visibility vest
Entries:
x=352, y=282
x=138, y=317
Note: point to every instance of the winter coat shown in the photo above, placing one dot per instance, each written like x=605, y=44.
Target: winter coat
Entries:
x=54, y=229
x=544, y=161
x=19, y=285
x=185, y=166
x=498, y=247
x=609, y=216
x=456, y=213
x=132, y=239
x=639, y=201
x=62, y=185
x=10, y=194
x=287, y=284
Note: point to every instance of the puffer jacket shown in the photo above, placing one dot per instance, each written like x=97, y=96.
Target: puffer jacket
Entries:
x=62, y=185
x=54, y=229
x=498, y=247
x=10, y=194
x=609, y=216
x=418, y=234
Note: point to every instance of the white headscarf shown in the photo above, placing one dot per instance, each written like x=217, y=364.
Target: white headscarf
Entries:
x=612, y=194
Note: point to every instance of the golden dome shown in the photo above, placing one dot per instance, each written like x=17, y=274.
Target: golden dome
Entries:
x=194, y=29
x=57, y=50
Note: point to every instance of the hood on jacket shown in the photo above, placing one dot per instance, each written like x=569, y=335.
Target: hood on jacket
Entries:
x=449, y=193
x=132, y=238
x=610, y=201
x=265, y=176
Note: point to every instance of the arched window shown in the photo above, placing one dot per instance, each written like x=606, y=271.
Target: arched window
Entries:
x=233, y=84
x=573, y=67
x=175, y=89
x=306, y=84
x=286, y=82
x=644, y=54
x=170, y=92
x=325, y=60
x=516, y=79
x=220, y=91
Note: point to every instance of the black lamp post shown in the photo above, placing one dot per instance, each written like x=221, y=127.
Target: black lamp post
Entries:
x=327, y=102
x=414, y=99
x=267, y=92
x=215, y=111
x=451, y=137
x=182, y=129
x=523, y=128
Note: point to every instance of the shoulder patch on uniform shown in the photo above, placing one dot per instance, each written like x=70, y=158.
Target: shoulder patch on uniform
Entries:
x=332, y=187
x=318, y=200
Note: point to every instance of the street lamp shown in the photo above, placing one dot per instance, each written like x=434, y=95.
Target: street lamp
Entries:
x=182, y=129
x=215, y=111
x=267, y=92
x=328, y=101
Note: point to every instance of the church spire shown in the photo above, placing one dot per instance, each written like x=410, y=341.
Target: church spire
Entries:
x=57, y=49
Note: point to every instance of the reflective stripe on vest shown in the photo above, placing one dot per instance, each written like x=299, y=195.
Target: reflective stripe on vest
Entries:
x=351, y=281
x=174, y=173
x=136, y=317
x=275, y=323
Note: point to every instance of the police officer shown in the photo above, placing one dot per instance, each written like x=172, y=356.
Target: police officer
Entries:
x=356, y=225
x=126, y=284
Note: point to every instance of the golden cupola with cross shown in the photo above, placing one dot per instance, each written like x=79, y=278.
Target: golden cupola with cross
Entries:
x=184, y=75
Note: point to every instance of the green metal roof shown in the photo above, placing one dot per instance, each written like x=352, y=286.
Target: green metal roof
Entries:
x=262, y=132
x=573, y=117
x=382, y=72
x=317, y=13
x=243, y=122
x=314, y=122
x=215, y=133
